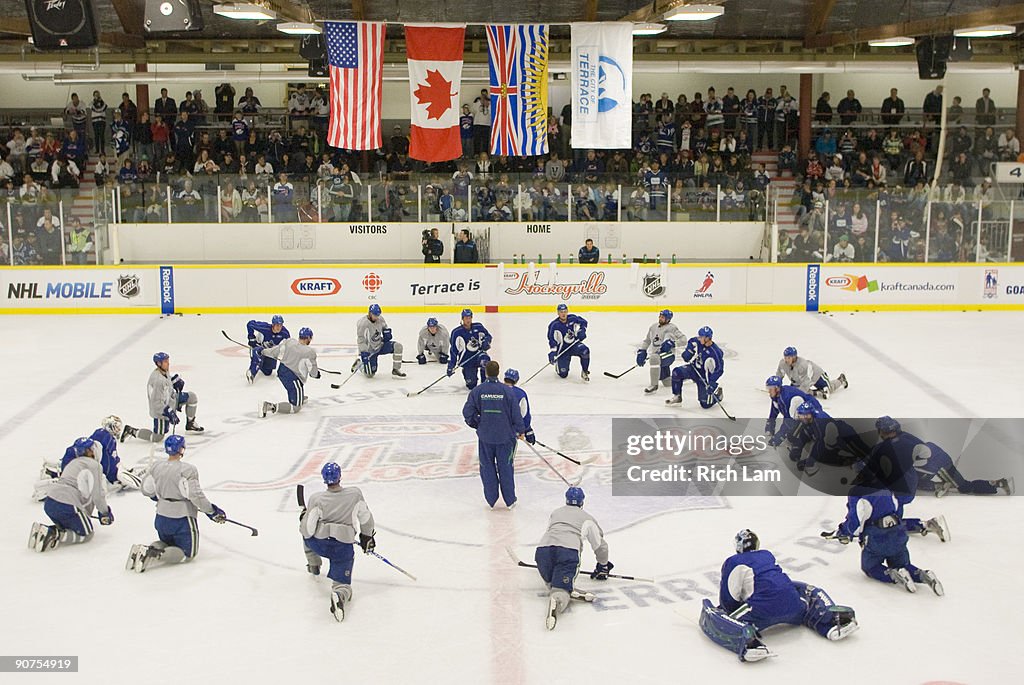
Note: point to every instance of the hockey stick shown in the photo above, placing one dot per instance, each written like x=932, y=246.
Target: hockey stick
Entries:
x=578, y=463
x=523, y=564
x=550, y=466
x=551, y=363
x=620, y=375
x=336, y=386
x=250, y=528
x=457, y=366
x=397, y=568
x=300, y=495
x=225, y=334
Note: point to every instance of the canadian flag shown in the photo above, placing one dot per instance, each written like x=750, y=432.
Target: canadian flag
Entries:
x=434, y=54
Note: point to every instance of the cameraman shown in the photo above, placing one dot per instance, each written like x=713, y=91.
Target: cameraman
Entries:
x=432, y=247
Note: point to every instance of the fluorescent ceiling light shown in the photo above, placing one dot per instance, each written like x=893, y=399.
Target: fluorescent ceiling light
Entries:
x=698, y=12
x=298, y=28
x=648, y=29
x=244, y=10
x=986, y=31
x=894, y=42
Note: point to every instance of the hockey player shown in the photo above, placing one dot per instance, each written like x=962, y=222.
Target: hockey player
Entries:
x=166, y=398
x=786, y=399
x=756, y=593
x=565, y=338
x=831, y=441
x=71, y=500
x=558, y=554
x=469, y=345
x=106, y=438
x=808, y=376
x=263, y=335
x=660, y=343
x=329, y=529
x=936, y=470
x=511, y=378
x=433, y=340
x=704, y=365
x=374, y=339
x=492, y=410
x=298, y=361
x=872, y=516
x=174, y=485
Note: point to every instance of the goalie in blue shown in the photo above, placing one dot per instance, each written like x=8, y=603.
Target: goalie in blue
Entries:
x=756, y=594
x=565, y=340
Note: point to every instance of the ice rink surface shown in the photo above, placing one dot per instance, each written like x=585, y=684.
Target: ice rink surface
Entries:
x=246, y=611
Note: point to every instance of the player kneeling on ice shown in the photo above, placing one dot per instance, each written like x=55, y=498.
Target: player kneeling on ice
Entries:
x=71, y=500
x=873, y=517
x=262, y=335
x=786, y=400
x=329, y=529
x=558, y=554
x=808, y=376
x=818, y=437
x=106, y=443
x=565, y=338
x=174, y=486
x=298, y=362
x=374, y=339
x=756, y=594
x=433, y=342
x=492, y=409
x=660, y=344
x=166, y=398
x=704, y=365
x=469, y=345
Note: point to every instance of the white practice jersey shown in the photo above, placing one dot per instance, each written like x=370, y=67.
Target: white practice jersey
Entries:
x=175, y=485
x=298, y=357
x=162, y=394
x=657, y=334
x=338, y=514
x=433, y=344
x=569, y=525
x=803, y=373
x=370, y=334
x=81, y=485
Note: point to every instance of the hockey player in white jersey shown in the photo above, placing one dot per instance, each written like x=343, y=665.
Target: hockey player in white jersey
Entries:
x=374, y=339
x=174, y=485
x=808, y=376
x=558, y=554
x=71, y=500
x=433, y=343
x=660, y=345
x=298, y=361
x=166, y=398
x=330, y=524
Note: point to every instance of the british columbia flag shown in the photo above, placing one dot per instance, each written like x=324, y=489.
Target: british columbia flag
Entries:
x=518, y=89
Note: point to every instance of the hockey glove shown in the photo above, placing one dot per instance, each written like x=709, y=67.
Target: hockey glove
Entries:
x=217, y=515
x=364, y=359
x=530, y=437
x=267, y=344
x=776, y=440
x=641, y=357
x=601, y=571
x=551, y=355
x=421, y=359
x=387, y=335
x=178, y=383
x=367, y=543
x=450, y=372
x=315, y=373
x=486, y=344
x=107, y=517
x=442, y=358
x=835, y=535
x=171, y=416
x=581, y=334
x=769, y=427
x=667, y=347
x=252, y=341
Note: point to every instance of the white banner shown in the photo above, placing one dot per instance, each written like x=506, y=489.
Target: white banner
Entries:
x=63, y=290
x=602, y=85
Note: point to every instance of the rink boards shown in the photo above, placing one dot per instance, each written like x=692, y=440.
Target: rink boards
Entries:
x=208, y=289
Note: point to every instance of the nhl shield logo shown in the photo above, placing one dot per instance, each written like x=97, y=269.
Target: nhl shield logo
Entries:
x=653, y=285
x=128, y=286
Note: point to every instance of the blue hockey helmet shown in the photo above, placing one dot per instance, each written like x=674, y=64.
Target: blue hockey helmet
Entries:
x=305, y=333
x=374, y=309
x=512, y=375
x=432, y=322
x=667, y=313
x=277, y=320
x=331, y=473
x=467, y=312
x=747, y=541
x=887, y=424
x=806, y=408
x=174, y=444
x=562, y=308
x=789, y=352
x=705, y=332
x=82, y=445
x=773, y=382
x=574, y=496
x=160, y=357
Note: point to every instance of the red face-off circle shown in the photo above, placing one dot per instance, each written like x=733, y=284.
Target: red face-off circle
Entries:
x=372, y=282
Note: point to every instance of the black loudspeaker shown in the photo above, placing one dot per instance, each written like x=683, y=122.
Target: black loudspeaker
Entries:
x=313, y=47
x=63, y=24
x=931, y=56
x=172, y=16
x=318, y=68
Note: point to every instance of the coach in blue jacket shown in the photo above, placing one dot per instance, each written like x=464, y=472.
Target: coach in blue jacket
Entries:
x=493, y=411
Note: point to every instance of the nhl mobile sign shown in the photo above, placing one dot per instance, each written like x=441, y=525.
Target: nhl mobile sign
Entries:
x=653, y=285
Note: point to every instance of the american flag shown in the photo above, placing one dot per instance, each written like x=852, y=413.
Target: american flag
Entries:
x=355, y=52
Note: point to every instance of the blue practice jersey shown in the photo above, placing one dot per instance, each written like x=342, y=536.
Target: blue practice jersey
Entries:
x=108, y=461
x=461, y=337
x=866, y=507
x=891, y=463
x=755, y=579
x=708, y=361
x=492, y=408
x=557, y=330
x=785, y=405
x=260, y=332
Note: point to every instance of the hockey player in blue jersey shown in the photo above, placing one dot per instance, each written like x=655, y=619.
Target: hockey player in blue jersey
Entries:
x=873, y=517
x=817, y=437
x=492, y=409
x=786, y=399
x=756, y=594
x=511, y=378
x=703, y=364
x=469, y=345
x=565, y=338
x=264, y=335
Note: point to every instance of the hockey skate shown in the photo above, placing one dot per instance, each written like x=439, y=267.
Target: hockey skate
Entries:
x=248, y=376
x=755, y=651
x=675, y=399
x=398, y=373
x=129, y=432
x=136, y=557
x=845, y=623
x=337, y=607
x=585, y=375
x=651, y=388
x=267, y=408
x=192, y=427
x=36, y=535
x=942, y=489
x=841, y=378
x=552, y=616
x=312, y=570
x=824, y=393
x=1005, y=484
x=932, y=582
x=901, y=577
x=582, y=596
x=938, y=526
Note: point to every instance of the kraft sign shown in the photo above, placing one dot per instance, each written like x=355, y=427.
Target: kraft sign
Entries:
x=316, y=287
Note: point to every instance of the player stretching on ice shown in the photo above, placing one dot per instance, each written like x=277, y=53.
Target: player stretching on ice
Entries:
x=71, y=500
x=263, y=335
x=704, y=365
x=106, y=445
x=660, y=344
x=786, y=400
x=558, y=554
x=329, y=529
x=374, y=339
x=492, y=409
x=756, y=593
x=565, y=338
x=469, y=345
x=808, y=376
x=166, y=397
x=433, y=340
x=298, y=360
x=179, y=497
x=818, y=437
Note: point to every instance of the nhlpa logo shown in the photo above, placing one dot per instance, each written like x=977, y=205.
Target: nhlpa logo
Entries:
x=128, y=286
x=991, y=283
x=653, y=286
x=705, y=287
